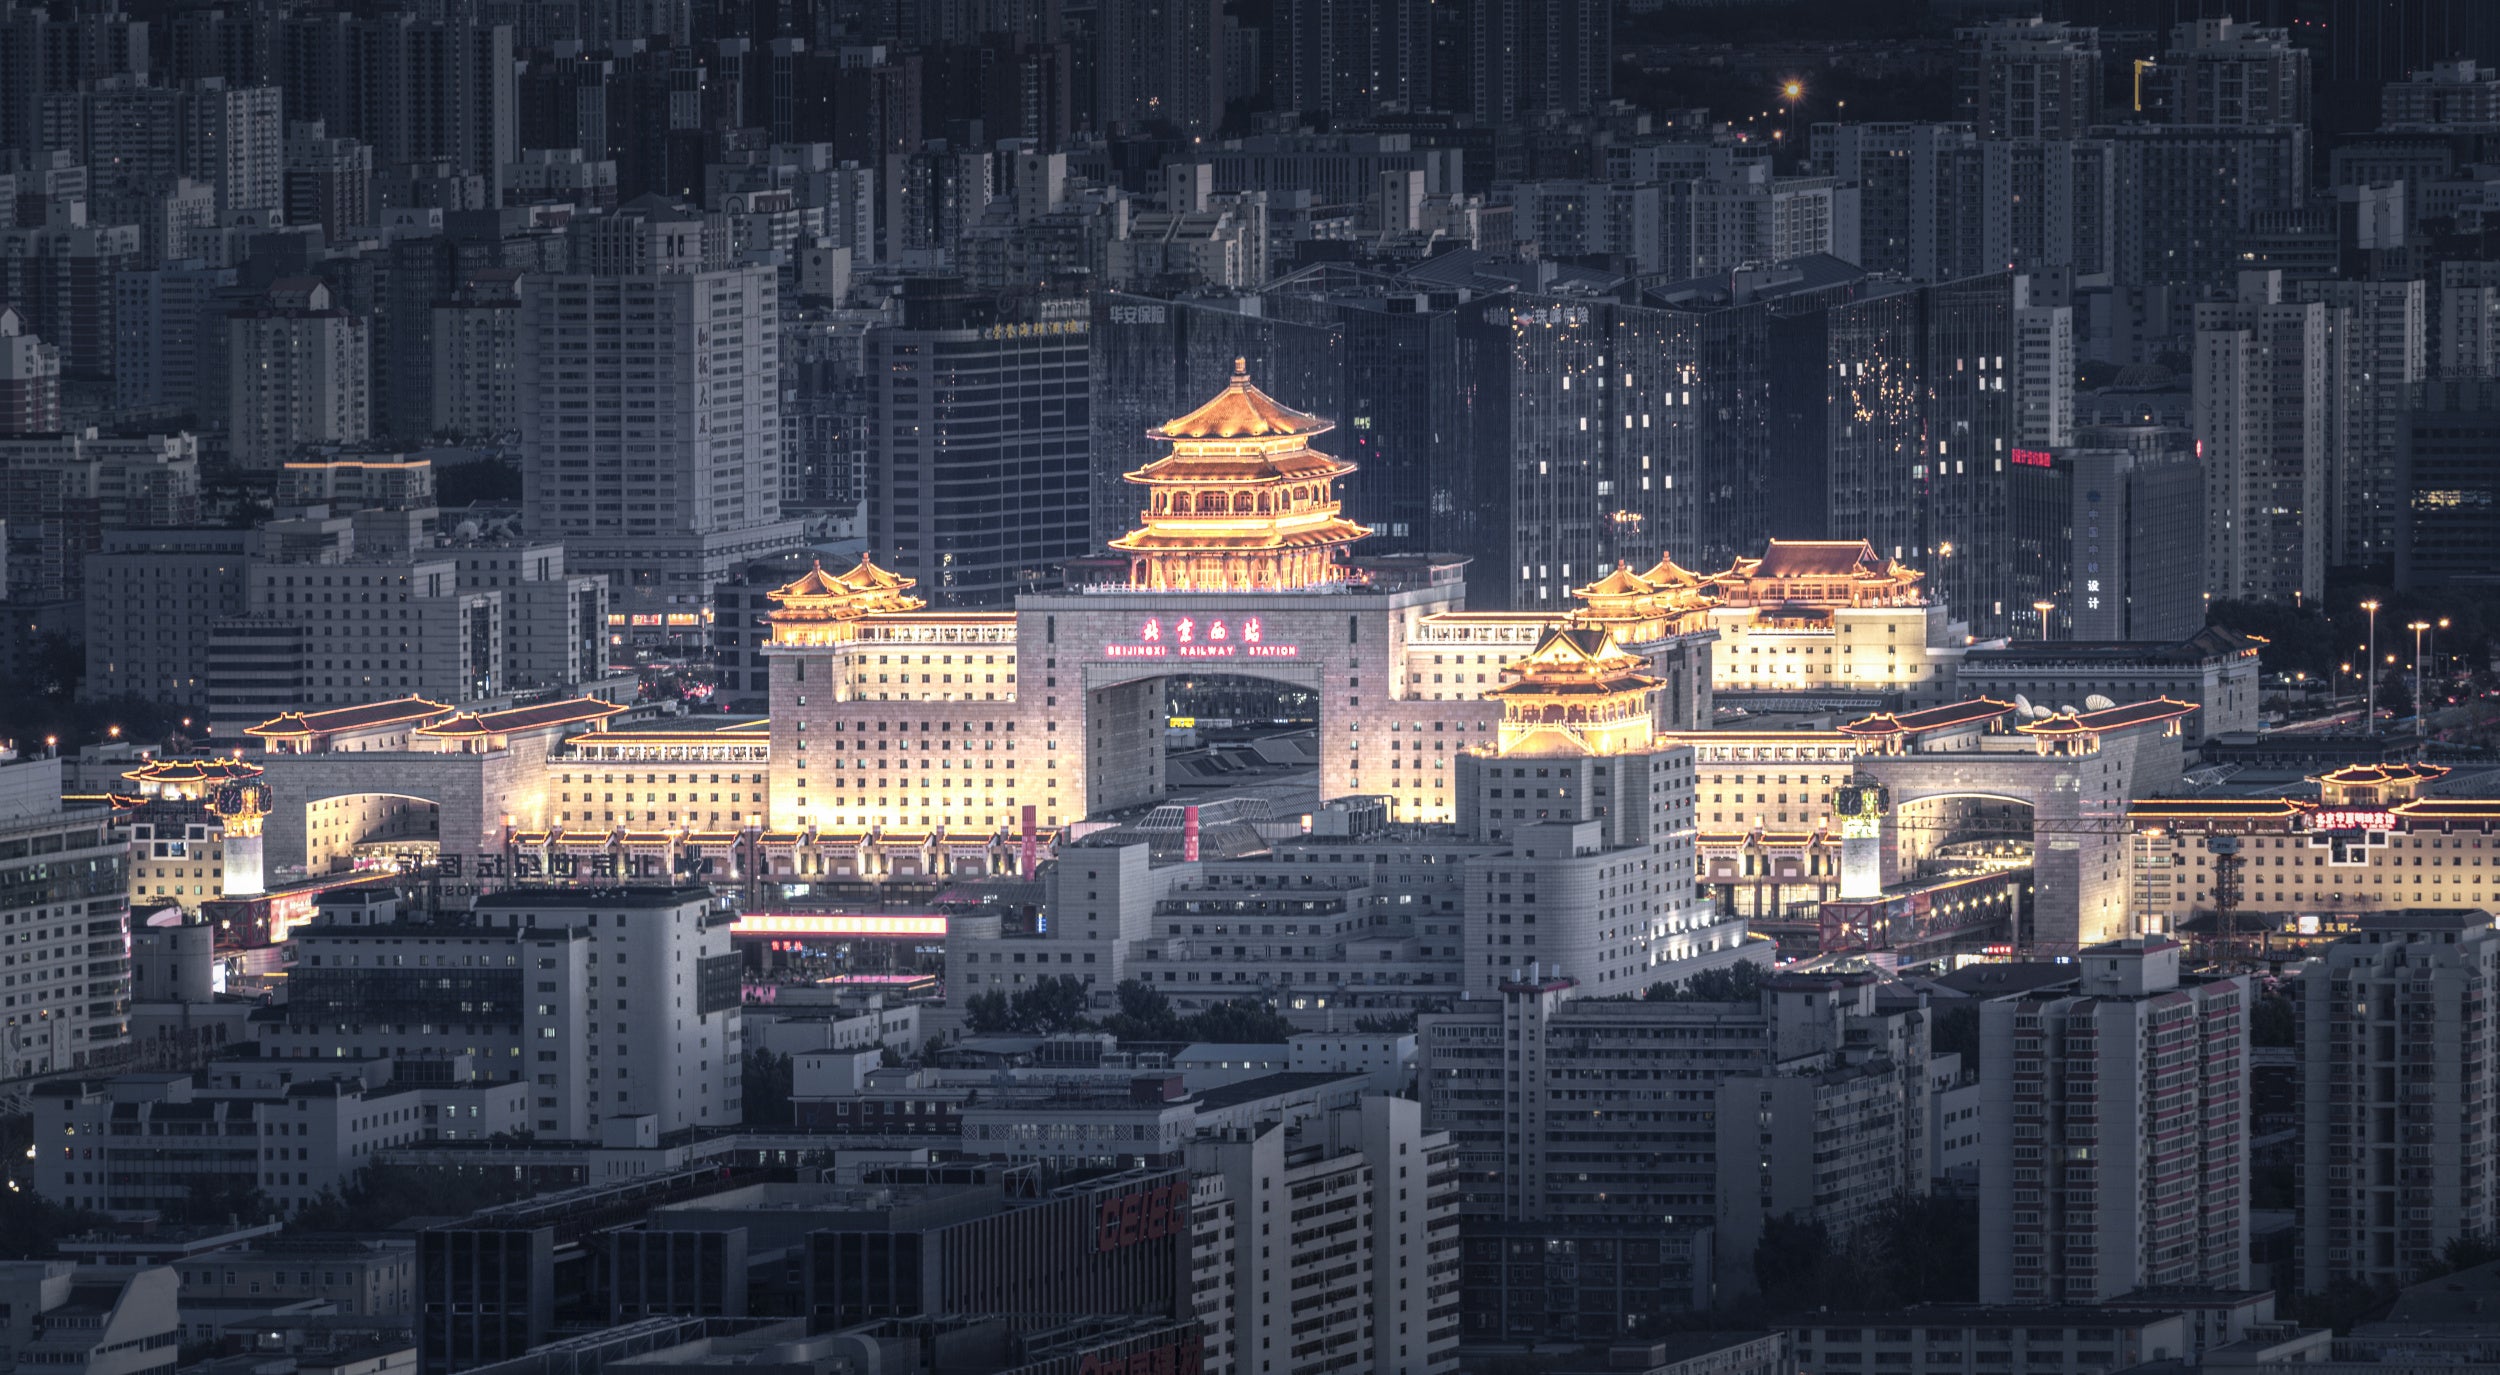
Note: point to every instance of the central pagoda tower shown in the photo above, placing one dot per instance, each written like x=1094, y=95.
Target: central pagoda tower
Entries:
x=1243, y=503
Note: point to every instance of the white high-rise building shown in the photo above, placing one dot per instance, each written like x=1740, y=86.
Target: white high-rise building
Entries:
x=650, y=406
x=2267, y=373
x=2044, y=374
x=2400, y=1072
x=66, y=906
x=609, y=1003
x=1375, y=1288
x=2113, y=1131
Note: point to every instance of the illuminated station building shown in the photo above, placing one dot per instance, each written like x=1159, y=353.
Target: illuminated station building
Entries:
x=889, y=715
x=2370, y=841
x=1557, y=767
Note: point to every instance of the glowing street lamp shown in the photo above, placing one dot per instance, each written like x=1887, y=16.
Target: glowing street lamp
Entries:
x=2372, y=607
x=2421, y=718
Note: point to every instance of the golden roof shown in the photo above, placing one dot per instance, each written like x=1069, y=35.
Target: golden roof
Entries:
x=1242, y=411
x=1622, y=582
x=1666, y=572
x=1575, y=660
x=860, y=590
x=181, y=771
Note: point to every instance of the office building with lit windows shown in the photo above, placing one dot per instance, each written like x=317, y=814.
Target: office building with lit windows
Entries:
x=650, y=408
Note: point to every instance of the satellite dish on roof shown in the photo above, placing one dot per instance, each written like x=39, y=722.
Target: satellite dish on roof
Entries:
x=2096, y=702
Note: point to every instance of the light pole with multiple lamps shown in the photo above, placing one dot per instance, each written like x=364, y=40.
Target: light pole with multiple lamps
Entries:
x=2371, y=663
x=2044, y=608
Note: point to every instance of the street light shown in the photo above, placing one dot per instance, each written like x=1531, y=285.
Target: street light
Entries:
x=2421, y=721
x=2044, y=608
x=2372, y=718
x=2440, y=625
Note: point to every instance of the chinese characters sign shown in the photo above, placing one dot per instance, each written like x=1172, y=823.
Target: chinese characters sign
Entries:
x=2351, y=819
x=1191, y=637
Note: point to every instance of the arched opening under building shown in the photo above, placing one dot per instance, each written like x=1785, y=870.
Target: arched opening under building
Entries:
x=356, y=832
x=1234, y=735
x=1958, y=881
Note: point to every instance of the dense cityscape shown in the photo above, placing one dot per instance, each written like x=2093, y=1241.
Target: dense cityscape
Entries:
x=1250, y=687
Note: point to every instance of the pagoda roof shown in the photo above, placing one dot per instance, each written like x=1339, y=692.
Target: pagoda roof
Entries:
x=2361, y=774
x=471, y=725
x=1242, y=411
x=1972, y=712
x=1295, y=465
x=1182, y=537
x=1622, y=582
x=1575, y=661
x=2109, y=718
x=1816, y=559
x=396, y=710
x=863, y=577
x=1666, y=572
x=178, y=771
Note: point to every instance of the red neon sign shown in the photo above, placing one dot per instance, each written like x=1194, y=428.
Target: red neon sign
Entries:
x=2351, y=819
x=2034, y=458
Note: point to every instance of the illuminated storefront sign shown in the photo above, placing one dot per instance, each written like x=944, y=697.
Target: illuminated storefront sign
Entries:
x=2351, y=819
x=1188, y=637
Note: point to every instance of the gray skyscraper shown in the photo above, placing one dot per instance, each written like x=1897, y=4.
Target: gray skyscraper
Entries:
x=977, y=481
x=651, y=415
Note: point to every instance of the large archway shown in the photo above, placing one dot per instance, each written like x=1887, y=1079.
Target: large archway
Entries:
x=344, y=832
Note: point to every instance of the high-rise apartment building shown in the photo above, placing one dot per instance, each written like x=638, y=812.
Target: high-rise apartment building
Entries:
x=153, y=596
x=2385, y=349
x=651, y=413
x=2447, y=461
x=2027, y=79
x=1159, y=65
x=164, y=320
x=2454, y=97
x=329, y=180
x=2268, y=371
x=64, y=898
x=1341, y=60
x=30, y=379
x=2113, y=1128
x=1377, y=1291
x=297, y=373
x=618, y=1002
x=477, y=356
x=977, y=472
x=1528, y=57
x=1918, y=193
x=2400, y=1073
x=2186, y=193
x=1594, y=1114
x=2466, y=317
x=2046, y=206
x=2232, y=72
